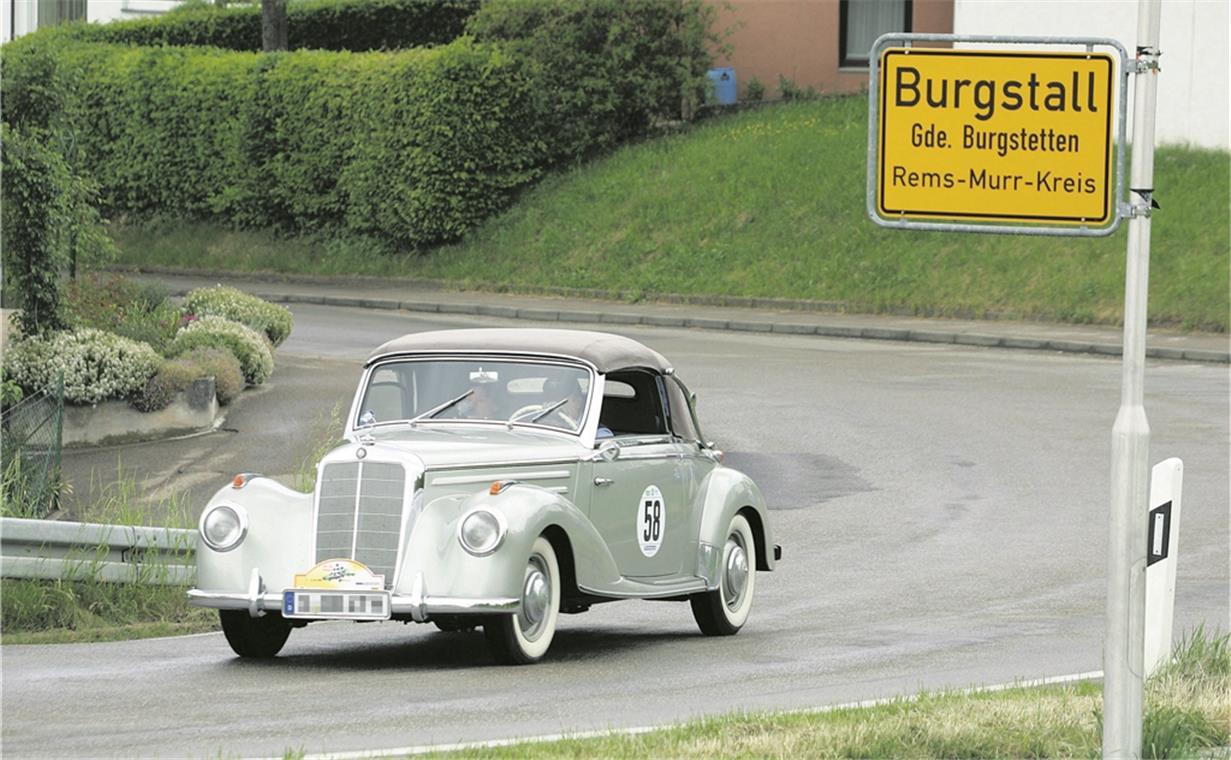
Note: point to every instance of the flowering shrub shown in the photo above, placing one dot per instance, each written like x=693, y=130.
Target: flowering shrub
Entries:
x=96, y=365
x=273, y=320
x=247, y=345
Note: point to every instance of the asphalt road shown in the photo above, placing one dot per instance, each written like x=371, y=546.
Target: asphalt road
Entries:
x=943, y=512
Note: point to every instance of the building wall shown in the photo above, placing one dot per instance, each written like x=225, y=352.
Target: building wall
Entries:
x=799, y=39
x=18, y=17
x=117, y=10
x=1193, y=83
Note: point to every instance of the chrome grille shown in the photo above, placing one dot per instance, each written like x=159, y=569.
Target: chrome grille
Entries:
x=360, y=514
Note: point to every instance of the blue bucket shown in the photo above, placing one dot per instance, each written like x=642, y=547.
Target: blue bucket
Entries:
x=726, y=93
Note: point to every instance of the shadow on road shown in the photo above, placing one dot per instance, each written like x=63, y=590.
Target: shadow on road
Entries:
x=439, y=651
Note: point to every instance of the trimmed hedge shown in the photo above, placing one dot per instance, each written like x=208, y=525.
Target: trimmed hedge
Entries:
x=176, y=375
x=414, y=146
x=608, y=68
x=250, y=347
x=356, y=25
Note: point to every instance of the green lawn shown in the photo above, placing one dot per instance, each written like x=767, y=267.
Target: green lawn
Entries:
x=1188, y=714
x=770, y=203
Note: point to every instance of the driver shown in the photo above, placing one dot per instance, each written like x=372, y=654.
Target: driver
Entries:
x=574, y=407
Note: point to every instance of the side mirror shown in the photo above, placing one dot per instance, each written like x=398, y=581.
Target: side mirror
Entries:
x=609, y=451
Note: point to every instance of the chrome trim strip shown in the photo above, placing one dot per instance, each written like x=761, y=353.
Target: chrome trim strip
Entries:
x=447, y=605
x=502, y=463
x=693, y=586
x=440, y=605
x=458, y=480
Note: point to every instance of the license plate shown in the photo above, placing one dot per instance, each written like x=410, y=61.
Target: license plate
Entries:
x=347, y=605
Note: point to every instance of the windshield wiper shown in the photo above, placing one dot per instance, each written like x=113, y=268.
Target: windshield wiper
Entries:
x=538, y=413
x=430, y=413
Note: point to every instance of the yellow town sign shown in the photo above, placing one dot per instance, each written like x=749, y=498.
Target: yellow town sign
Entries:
x=981, y=135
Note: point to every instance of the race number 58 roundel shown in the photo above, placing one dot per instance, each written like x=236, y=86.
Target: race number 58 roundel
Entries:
x=651, y=521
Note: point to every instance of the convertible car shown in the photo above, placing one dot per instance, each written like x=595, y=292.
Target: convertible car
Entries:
x=493, y=478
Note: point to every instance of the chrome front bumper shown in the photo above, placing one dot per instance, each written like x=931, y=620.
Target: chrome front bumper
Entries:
x=417, y=604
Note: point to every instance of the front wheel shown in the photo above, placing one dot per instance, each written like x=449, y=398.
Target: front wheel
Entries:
x=259, y=638
x=723, y=611
x=523, y=638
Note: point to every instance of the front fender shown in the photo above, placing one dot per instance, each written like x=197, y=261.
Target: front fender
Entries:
x=724, y=492
x=274, y=513
x=436, y=555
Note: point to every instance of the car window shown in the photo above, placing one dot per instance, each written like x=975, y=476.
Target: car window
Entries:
x=444, y=390
x=632, y=404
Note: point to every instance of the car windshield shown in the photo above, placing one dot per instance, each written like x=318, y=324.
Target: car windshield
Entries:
x=448, y=390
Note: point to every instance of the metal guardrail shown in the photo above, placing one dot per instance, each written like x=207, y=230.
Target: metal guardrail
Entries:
x=83, y=551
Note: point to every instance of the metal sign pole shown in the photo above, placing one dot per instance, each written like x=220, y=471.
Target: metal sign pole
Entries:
x=1124, y=649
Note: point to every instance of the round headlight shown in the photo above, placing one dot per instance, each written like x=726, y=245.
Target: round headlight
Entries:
x=224, y=527
x=481, y=532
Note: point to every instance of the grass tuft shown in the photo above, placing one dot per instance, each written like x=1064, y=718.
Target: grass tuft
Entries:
x=85, y=608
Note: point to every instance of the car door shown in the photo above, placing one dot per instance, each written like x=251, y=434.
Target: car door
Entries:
x=639, y=501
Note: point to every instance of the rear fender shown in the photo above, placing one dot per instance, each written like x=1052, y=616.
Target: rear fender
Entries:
x=724, y=492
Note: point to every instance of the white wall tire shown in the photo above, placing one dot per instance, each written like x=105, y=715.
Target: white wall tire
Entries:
x=525, y=637
x=723, y=611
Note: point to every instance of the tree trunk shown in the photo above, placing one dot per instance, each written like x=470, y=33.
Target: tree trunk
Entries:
x=273, y=25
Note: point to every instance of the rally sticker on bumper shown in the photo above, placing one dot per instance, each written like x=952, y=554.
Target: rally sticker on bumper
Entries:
x=340, y=573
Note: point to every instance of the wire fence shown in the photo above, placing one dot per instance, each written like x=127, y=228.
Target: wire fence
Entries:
x=30, y=441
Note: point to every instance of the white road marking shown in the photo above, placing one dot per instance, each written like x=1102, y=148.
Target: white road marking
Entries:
x=423, y=749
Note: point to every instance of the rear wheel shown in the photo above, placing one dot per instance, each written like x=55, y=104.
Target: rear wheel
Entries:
x=523, y=638
x=723, y=611
x=259, y=638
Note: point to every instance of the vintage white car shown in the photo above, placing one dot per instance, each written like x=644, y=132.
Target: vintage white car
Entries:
x=494, y=478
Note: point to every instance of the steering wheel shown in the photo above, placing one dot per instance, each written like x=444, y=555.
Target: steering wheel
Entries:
x=526, y=410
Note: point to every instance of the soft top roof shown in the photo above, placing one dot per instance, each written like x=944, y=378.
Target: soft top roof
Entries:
x=605, y=351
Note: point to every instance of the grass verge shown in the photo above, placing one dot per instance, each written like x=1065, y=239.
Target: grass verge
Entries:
x=1188, y=714
x=85, y=608
x=770, y=203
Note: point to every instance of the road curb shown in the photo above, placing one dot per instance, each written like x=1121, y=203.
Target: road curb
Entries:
x=750, y=325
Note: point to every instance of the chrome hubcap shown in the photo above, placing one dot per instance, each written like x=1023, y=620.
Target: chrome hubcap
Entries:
x=735, y=577
x=535, y=599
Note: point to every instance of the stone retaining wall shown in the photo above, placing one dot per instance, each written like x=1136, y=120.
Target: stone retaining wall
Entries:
x=109, y=422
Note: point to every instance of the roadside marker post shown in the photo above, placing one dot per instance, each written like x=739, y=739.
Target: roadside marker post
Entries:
x=1163, y=534
x=1124, y=649
x=929, y=169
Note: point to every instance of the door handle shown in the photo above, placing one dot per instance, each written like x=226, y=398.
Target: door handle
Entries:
x=603, y=481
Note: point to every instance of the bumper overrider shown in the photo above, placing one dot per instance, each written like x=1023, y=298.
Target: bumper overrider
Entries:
x=418, y=604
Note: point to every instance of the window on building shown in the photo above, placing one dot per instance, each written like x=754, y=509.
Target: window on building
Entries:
x=862, y=21
x=52, y=12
